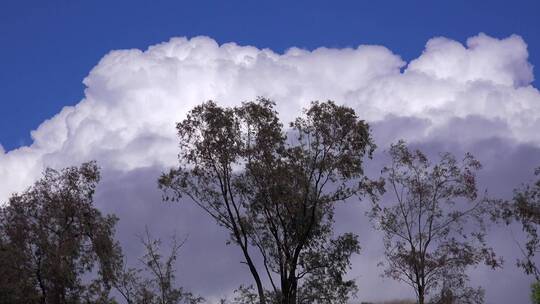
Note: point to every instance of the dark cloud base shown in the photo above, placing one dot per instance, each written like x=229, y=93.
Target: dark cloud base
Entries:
x=211, y=268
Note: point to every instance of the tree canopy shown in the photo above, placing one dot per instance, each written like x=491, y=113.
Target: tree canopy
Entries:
x=434, y=224
x=275, y=189
x=53, y=240
x=525, y=209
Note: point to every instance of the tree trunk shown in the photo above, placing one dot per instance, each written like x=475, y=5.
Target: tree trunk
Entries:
x=284, y=290
x=255, y=274
x=293, y=290
x=420, y=295
x=288, y=290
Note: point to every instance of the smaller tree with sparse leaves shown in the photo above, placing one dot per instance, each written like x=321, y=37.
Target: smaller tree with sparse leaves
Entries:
x=525, y=209
x=434, y=224
x=155, y=282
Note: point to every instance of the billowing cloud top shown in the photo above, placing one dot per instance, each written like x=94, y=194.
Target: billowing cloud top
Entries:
x=133, y=98
x=479, y=92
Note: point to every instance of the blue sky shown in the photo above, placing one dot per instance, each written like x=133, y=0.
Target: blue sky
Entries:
x=48, y=47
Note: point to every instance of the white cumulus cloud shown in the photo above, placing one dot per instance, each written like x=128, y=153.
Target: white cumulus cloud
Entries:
x=478, y=95
x=133, y=97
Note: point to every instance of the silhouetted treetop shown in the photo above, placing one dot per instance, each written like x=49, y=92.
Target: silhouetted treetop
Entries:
x=56, y=247
x=434, y=224
x=274, y=189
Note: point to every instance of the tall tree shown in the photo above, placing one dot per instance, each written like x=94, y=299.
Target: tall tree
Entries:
x=53, y=240
x=433, y=224
x=275, y=190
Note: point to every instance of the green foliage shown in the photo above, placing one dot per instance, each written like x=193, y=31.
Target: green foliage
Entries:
x=535, y=292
